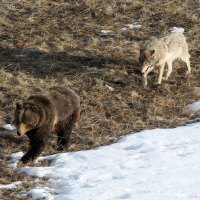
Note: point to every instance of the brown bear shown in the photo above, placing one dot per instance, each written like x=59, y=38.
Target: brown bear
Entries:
x=56, y=111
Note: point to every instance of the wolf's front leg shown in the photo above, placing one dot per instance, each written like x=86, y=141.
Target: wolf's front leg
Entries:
x=161, y=73
x=144, y=77
x=144, y=81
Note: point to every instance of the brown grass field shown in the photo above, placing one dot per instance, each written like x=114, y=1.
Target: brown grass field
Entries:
x=45, y=43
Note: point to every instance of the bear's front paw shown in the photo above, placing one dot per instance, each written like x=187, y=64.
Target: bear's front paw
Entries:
x=20, y=164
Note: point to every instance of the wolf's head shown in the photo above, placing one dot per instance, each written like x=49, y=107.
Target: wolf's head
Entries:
x=146, y=59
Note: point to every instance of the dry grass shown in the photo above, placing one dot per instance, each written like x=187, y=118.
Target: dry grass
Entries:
x=48, y=43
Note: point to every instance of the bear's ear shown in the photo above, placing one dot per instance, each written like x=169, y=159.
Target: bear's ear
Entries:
x=18, y=105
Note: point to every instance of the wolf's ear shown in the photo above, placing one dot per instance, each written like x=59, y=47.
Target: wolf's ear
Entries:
x=152, y=52
x=18, y=105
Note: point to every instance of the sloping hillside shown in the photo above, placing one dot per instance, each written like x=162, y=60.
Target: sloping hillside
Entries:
x=91, y=47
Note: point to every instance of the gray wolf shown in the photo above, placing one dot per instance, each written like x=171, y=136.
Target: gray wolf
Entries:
x=157, y=52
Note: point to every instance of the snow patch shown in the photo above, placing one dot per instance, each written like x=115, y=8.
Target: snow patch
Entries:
x=106, y=32
x=39, y=193
x=9, y=127
x=10, y=186
x=152, y=164
x=133, y=26
x=15, y=157
x=123, y=29
x=177, y=30
x=195, y=106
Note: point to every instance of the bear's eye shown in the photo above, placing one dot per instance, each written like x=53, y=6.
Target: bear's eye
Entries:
x=34, y=109
x=26, y=115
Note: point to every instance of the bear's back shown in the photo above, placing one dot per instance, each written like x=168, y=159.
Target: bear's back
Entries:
x=65, y=101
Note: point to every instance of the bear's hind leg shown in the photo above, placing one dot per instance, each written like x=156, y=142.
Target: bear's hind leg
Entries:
x=64, y=133
x=63, y=138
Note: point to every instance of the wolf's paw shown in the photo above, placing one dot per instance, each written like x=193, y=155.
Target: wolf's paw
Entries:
x=165, y=78
x=144, y=86
x=187, y=72
x=156, y=85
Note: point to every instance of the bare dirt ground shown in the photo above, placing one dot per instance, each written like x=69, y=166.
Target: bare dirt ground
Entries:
x=47, y=43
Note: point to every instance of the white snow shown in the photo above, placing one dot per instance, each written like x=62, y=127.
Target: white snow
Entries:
x=39, y=193
x=132, y=26
x=123, y=29
x=10, y=186
x=106, y=32
x=195, y=106
x=177, y=30
x=158, y=164
x=9, y=127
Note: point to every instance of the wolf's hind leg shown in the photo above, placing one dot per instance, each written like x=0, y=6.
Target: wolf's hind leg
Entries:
x=187, y=60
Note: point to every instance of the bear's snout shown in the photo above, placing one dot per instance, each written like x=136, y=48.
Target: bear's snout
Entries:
x=22, y=129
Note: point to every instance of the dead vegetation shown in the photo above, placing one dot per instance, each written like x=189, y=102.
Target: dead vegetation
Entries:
x=48, y=43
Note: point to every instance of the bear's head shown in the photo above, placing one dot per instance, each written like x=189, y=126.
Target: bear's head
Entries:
x=27, y=117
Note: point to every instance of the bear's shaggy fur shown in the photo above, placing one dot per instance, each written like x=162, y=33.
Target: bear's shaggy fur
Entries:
x=57, y=111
